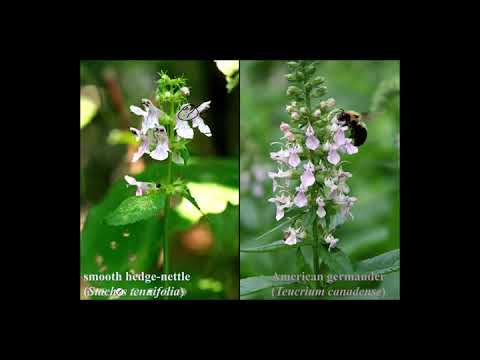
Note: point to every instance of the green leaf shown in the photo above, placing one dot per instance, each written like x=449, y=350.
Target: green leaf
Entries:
x=275, y=246
x=136, y=208
x=188, y=195
x=381, y=264
x=279, y=226
x=337, y=261
x=185, y=155
x=302, y=265
x=257, y=283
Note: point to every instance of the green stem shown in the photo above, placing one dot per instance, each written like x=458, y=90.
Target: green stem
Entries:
x=166, y=250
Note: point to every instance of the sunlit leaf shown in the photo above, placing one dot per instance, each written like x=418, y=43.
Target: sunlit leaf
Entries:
x=136, y=208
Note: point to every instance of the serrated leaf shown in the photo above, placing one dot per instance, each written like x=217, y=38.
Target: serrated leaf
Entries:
x=381, y=264
x=275, y=246
x=136, y=208
x=337, y=261
x=257, y=283
x=188, y=195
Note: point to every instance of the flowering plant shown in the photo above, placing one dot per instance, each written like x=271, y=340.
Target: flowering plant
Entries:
x=165, y=131
x=310, y=183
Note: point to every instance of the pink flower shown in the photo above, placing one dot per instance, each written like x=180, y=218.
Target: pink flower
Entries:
x=142, y=187
x=300, y=199
x=292, y=236
x=333, y=156
x=279, y=174
x=285, y=128
x=346, y=203
x=331, y=241
x=308, y=178
x=281, y=155
x=311, y=141
x=294, y=159
x=321, y=204
x=281, y=202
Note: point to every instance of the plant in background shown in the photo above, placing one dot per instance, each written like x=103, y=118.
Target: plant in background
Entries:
x=229, y=68
x=166, y=129
x=310, y=183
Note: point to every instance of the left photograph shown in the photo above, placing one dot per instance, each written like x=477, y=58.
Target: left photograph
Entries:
x=159, y=180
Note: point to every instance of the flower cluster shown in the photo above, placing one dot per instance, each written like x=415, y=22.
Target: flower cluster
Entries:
x=309, y=174
x=166, y=130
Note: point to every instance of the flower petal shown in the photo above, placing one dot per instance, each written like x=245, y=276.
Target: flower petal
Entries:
x=312, y=142
x=300, y=199
x=141, y=150
x=204, y=106
x=137, y=111
x=130, y=180
x=307, y=179
x=161, y=151
x=333, y=157
x=183, y=129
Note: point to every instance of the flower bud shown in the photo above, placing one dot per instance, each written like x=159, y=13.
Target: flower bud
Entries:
x=303, y=110
x=317, y=113
x=185, y=91
x=300, y=75
x=293, y=91
x=295, y=115
x=310, y=69
x=289, y=108
x=319, y=80
x=291, y=77
x=319, y=91
x=327, y=104
x=292, y=64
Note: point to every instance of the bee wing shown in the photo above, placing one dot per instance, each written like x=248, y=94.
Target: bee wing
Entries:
x=369, y=116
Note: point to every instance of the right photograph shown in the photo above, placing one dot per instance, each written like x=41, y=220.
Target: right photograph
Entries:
x=320, y=180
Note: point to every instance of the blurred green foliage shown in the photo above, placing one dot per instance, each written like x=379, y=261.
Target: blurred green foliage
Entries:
x=362, y=86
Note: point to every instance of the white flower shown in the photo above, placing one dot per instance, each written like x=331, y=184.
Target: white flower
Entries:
x=144, y=144
x=281, y=202
x=295, y=115
x=142, y=187
x=317, y=113
x=161, y=150
x=292, y=236
x=329, y=239
x=185, y=91
x=189, y=113
x=150, y=115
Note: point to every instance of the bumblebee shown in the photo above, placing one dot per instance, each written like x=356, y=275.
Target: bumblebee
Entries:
x=352, y=119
